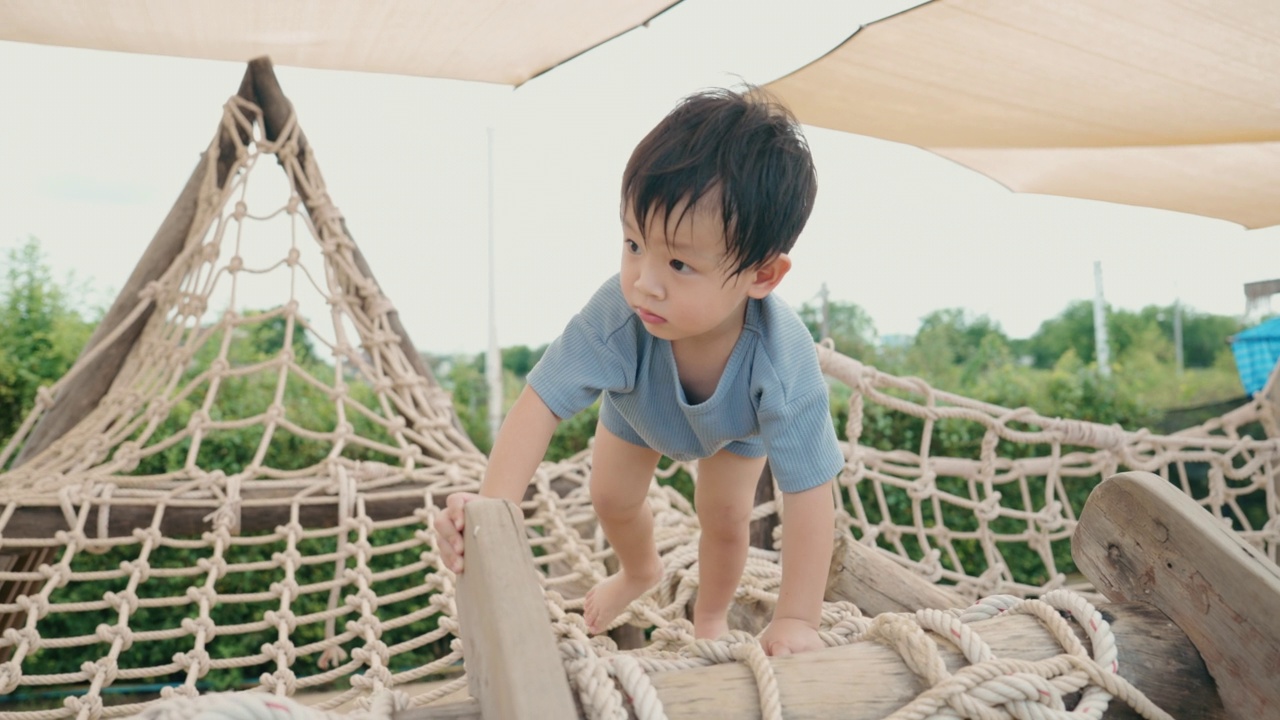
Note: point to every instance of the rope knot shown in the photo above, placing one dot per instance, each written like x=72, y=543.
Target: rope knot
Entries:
x=85, y=705
x=284, y=617
x=282, y=651
x=141, y=568
x=102, y=671
x=201, y=625
x=109, y=634
x=10, y=677
x=60, y=574
x=197, y=660
x=29, y=636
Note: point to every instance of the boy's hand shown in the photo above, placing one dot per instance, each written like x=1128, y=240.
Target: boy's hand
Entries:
x=788, y=636
x=449, y=524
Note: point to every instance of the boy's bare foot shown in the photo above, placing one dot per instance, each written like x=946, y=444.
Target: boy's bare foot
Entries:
x=611, y=596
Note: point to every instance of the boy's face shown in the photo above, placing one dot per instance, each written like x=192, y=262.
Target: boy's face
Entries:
x=676, y=279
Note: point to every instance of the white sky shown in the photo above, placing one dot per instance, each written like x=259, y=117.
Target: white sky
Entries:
x=94, y=148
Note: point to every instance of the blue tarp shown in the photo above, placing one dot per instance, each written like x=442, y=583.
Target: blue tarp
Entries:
x=1257, y=350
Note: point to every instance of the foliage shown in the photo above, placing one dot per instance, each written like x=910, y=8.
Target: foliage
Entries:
x=1204, y=336
x=41, y=333
x=849, y=326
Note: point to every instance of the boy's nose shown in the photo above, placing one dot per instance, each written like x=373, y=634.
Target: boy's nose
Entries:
x=648, y=283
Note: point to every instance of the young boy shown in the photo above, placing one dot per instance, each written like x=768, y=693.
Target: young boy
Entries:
x=696, y=359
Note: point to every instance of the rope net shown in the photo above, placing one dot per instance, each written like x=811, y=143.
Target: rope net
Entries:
x=138, y=551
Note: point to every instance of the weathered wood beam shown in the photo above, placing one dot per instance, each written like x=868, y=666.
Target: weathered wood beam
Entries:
x=261, y=509
x=513, y=666
x=1140, y=538
x=868, y=680
x=867, y=578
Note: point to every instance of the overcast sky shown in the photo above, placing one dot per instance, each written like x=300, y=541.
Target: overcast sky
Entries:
x=94, y=148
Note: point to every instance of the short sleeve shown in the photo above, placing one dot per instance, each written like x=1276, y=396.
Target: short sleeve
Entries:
x=794, y=408
x=800, y=440
x=594, y=353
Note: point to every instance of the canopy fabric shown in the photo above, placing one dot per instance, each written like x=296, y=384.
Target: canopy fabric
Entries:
x=1164, y=104
x=496, y=41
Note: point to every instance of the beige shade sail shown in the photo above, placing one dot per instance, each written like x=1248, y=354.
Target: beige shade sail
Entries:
x=1157, y=103
x=496, y=41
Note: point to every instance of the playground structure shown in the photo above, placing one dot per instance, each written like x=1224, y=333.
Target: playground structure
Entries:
x=921, y=537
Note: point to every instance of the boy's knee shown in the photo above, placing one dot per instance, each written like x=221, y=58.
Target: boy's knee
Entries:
x=726, y=528
x=609, y=504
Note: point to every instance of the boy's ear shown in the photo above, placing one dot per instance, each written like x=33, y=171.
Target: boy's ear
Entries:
x=766, y=277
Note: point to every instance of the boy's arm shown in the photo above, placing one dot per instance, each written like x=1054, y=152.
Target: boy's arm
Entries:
x=807, y=538
x=521, y=444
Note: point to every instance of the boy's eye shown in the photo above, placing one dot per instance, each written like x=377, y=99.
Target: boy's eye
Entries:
x=679, y=266
x=631, y=246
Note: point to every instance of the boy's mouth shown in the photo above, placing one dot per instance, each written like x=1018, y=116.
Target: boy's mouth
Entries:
x=649, y=317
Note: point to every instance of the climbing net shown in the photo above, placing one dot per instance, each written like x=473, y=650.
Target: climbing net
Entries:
x=138, y=551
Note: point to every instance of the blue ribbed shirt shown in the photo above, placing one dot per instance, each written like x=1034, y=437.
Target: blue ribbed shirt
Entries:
x=771, y=399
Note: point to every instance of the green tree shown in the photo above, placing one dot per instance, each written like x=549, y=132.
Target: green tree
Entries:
x=952, y=347
x=41, y=332
x=1071, y=330
x=849, y=326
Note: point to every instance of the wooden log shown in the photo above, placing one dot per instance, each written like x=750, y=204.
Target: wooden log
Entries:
x=869, y=680
x=867, y=578
x=1139, y=538
x=513, y=665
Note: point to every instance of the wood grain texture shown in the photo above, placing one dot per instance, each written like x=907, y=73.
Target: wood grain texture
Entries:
x=513, y=665
x=1140, y=538
x=876, y=584
x=869, y=680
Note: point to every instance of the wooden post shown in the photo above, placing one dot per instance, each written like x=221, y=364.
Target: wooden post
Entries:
x=1139, y=538
x=762, y=529
x=869, y=680
x=513, y=667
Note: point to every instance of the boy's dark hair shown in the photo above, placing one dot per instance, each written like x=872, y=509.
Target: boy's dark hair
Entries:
x=745, y=146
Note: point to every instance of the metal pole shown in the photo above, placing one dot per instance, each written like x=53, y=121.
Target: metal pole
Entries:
x=493, y=358
x=1100, y=322
x=1177, y=334
x=826, y=314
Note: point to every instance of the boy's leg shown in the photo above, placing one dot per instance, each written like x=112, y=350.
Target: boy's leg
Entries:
x=724, y=496
x=620, y=477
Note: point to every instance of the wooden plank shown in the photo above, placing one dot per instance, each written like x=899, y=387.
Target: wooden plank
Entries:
x=513, y=665
x=867, y=578
x=1139, y=538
